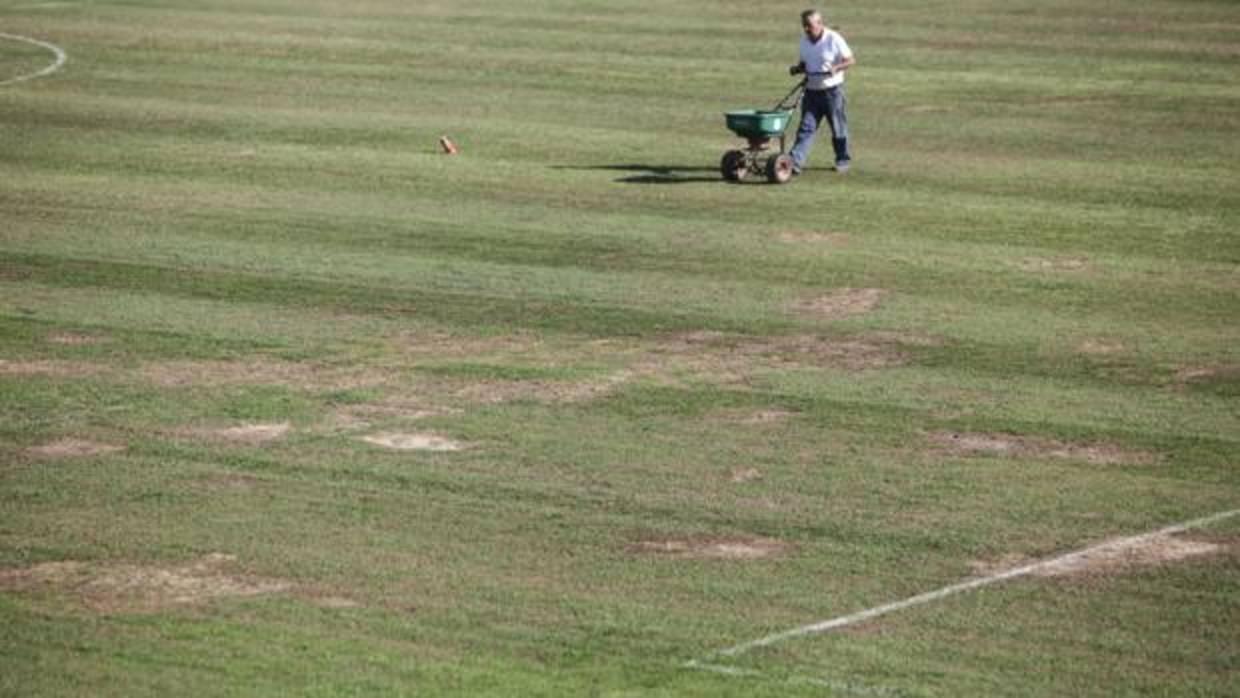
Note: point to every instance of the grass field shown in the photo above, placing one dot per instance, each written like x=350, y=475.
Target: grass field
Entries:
x=641, y=415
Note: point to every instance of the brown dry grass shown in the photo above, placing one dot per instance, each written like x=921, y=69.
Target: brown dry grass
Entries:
x=1118, y=557
x=446, y=345
x=252, y=434
x=743, y=475
x=73, y=448
x=841, y=303
x=746, y=548
x=413, y=442
x=1197, y=375
x=49, y=367
x=260, y=371
x=1101, y=347
x=133, y=588
x=491, y=392
x=735, y=358
x=74, y=339
x=1037, y=447
x=1045, y=265
x=829, y=239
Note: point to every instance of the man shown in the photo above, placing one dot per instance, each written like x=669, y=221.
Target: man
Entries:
x=824, y=58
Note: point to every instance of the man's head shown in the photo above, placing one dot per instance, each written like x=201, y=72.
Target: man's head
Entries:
x=811, y=22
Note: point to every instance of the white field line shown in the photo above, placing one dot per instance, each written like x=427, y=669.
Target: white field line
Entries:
x=854, y=618
x=56, y=50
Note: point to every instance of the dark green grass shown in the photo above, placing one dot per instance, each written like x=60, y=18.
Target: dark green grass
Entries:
x=1045, y=193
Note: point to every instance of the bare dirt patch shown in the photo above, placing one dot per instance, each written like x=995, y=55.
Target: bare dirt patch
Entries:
x=841, y=303
x=48, y=367
x=1037, y=447
x=493, y=392
x=334, y=602
x=770, y=416
x=743, y=475
x=1052, y=265
x=1101, y=347
x=1116, y=557
x=131, y=588
x=1201, y=375
x=180, y=374
x=735, y=358
x=413, y=442
x=75, y=339
x=754, y=417
x=828, y=239
x=712, y=548
x=365, y=415
x=447, y=345
x=252, y=434
x=926, y=109
x=74, y=448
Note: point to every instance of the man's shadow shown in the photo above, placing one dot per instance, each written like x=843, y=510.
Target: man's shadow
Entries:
x=658, y=174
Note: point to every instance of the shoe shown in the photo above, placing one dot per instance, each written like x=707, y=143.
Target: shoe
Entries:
x=842, y=167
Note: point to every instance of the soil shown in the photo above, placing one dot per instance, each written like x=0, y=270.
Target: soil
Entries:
x=1114, y=558
x=712, y=548
x=413, y=442
x=829, y=239
x=179, y=374
x=131, y=588
x=335, y=602
x=842, y=303
x=743, y=475
x=48, y=367
x=249, y=433
x=493, y=392
x=736, y=357
x=1199, y=375
x=73, y=448
x=767, y=417
x=1015, y=445
x=74, y=339
x=442, y=344
x=1040, y=264
x=1101, y=347
x=231, y=481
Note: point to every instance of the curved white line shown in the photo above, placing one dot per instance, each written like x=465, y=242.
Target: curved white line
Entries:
x=56, y=50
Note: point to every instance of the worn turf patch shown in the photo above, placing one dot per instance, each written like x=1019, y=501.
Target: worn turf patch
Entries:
x=972, y=443
x=73, y=448
x=714, y=548
x=1123, y=556
x=841, y=303
x=413, y=442
x=133, y=588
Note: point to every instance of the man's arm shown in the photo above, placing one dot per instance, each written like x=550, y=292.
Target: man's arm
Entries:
x=844, y=64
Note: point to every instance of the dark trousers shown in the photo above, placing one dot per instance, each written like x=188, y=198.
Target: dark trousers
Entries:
x=817, y=105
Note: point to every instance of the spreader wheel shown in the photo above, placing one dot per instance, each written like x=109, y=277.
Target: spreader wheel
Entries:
x=779, y=169
x=732, y=166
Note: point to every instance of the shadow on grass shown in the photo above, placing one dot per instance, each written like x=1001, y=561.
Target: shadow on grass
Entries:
x=670, y=174
x=657, y=174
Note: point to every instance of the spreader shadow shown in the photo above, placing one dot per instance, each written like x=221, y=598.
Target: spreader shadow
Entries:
x=655, y=174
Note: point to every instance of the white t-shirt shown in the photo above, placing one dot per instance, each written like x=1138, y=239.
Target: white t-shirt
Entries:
x=818, y=57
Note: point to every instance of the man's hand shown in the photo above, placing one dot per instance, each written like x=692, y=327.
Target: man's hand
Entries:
x=797, y=69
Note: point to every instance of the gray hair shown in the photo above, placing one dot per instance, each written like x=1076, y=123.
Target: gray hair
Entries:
x=806, y=15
